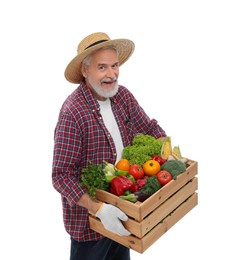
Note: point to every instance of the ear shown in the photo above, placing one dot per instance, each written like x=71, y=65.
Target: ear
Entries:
x=84, y=70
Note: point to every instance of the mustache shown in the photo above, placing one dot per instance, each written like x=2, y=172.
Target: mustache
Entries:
x=108, y=79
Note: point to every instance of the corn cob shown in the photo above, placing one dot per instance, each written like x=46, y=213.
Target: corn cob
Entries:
x=166, y=148
x=177, y=152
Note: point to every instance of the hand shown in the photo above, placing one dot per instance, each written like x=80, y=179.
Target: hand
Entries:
x=111, y=217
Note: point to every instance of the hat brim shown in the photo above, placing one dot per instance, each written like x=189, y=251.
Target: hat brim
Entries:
x=124, y=47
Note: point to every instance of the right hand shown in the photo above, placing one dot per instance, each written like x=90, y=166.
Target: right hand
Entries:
x=111, y=217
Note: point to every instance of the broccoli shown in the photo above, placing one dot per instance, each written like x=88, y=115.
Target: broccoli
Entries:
x=151, y=186
x=142, y=148
x=175, y=167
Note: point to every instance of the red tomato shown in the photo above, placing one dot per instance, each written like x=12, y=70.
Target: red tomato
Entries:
x=163, y=177
x=136, y=171
x=159, y=159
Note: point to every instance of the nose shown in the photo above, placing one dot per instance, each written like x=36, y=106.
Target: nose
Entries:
x=111, y=73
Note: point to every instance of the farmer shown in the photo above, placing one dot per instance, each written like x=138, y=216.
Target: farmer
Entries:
x=95, y=123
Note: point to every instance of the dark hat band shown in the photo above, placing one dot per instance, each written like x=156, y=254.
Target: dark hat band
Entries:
x=95, y=43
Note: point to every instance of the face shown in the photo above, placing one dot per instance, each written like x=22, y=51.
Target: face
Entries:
x=101, y=74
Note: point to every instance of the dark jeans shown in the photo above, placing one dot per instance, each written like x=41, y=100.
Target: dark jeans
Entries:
x=104, y=249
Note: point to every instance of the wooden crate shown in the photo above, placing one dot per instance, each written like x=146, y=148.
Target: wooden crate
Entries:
x=150, y=219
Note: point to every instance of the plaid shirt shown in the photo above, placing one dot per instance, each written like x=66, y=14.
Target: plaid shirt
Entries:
x=80, y=137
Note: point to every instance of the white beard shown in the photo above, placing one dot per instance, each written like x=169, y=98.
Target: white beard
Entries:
x=106, y=93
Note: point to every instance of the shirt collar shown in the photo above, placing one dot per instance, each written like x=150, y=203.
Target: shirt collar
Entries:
x=92, y=102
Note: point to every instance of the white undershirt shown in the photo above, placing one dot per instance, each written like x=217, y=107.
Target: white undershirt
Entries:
x=112, y=126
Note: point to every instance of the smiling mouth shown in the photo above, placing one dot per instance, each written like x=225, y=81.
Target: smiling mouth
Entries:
x=108, y=82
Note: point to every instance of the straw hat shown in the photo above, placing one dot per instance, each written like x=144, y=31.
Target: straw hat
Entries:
x=94, y=42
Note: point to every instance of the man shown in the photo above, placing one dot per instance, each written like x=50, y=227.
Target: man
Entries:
x=95, y=122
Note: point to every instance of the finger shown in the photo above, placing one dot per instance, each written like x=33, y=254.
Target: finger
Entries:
x=122, y=216
x=121, y=231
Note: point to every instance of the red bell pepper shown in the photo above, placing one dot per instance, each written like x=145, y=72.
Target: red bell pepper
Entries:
x=120, y=184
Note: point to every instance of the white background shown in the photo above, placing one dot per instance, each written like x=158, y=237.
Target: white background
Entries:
x=177, y=73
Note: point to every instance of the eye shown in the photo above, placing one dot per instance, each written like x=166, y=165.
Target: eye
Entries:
x=115, y=66
x=101, y=67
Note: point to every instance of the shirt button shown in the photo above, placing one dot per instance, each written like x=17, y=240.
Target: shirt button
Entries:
x=115, y=154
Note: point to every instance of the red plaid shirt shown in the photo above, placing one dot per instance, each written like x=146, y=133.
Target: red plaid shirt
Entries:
x=81, y=136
